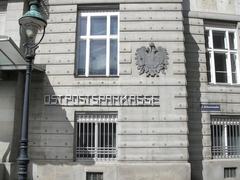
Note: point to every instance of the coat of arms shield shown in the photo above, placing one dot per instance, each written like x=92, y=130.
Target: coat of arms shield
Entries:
x=151, y=60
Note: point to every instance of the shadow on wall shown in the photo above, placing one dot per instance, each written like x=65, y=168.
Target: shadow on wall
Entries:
x=10, y=94
x=194, y=98
x=51, y=131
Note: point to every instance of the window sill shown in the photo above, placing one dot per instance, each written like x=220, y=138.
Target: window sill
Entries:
x=87, y=77
x=224, y=84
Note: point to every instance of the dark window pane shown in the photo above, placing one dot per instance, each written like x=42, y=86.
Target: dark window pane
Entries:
x=231, y=40
x=233, y=66
x=83, y=26
x=218, y=40
x=220, y=61
x=233, y=62
x=113, y=57
x=106, y=135
x=114, y=25
x=206, y=39
x=82, y=57
x=98, y=25
x=97, y=64
x=114, y=135
x=94, y=176
x=221, y=77
x=234, y=77
x=208, y=67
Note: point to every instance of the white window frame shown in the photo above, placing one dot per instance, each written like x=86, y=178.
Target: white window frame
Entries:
x=227, y=51
x=2, y=22
x=106, y=37
x=85, y=119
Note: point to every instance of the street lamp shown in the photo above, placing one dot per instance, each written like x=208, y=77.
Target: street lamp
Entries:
x=31, y=23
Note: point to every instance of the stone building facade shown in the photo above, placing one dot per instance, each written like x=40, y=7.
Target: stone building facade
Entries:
x=97, y=112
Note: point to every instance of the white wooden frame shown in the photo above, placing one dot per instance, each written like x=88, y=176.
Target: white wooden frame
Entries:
x=106, y=37
x=227, y=51
x=2, y=22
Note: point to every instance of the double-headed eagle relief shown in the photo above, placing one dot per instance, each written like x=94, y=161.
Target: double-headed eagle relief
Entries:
x=151, y=60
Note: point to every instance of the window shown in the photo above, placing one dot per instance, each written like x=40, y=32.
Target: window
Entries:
x=222, y=55
x=96, y=135
x=94, y=176
x=97, y=52
x=225, y=131
x=230, y=172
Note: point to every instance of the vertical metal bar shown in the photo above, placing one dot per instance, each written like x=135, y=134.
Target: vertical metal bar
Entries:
x=213, y=139
x=96, y=136
x=225, y=139
x=108, y=144
x=104, y=135
x=238, y=139
x=84, y=146
x=220, y=142
x=230, y=136
x=87, y=134
x=115, y=138
x=80, y=139
x=217, y=138
x=100, y=138
x=112, y=141
x=92, y=152
x=234, y=138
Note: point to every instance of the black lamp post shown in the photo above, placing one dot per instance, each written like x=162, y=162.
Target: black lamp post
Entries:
x=30, y=24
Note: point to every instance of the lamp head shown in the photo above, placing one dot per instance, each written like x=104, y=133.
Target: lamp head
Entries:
x=31, y=23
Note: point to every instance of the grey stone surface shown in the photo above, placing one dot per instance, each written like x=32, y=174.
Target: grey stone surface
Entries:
x=154, y=143
x=137, y=171
x=7, y=99
x=214, y=169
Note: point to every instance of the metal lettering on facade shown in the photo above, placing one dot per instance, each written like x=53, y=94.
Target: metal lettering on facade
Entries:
x=107, y=100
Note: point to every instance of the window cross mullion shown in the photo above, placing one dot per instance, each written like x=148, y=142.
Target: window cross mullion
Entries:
x=88, y=46
x=228, y=59
x=108, y=47
x=212, y=60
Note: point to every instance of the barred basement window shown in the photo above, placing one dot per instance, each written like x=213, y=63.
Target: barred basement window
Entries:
x=94, y=176
x=225, y=132
x=222, y=55
x=230, y=172
x=96, y=135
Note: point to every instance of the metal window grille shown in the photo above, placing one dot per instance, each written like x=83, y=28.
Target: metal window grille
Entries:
x=96, y=136
x=225, y=132
x=230, y=172
x=94, y=176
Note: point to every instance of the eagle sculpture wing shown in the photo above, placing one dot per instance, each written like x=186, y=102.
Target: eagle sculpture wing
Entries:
x=141, y=54
x=162, y=55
